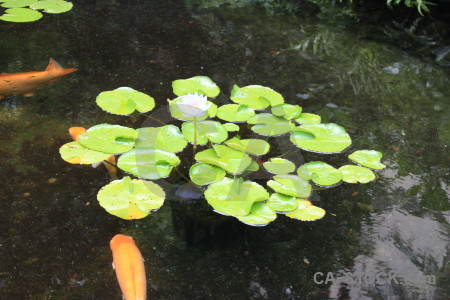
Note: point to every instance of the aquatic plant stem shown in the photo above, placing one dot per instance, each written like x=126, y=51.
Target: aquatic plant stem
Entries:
x=195, y=136
x=154, y=119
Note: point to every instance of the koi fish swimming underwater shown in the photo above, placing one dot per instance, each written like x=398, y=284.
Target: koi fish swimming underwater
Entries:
x=26, y=83
x=129, y=266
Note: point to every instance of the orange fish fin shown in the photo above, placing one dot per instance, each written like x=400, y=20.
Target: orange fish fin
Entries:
x=28, y=94
x=114, y=267
x=53, y=65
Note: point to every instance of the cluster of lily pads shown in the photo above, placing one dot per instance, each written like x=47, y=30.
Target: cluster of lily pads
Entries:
x=28, y=10
x=224, y=160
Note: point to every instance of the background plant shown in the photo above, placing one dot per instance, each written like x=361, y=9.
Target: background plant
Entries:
x=225, y=164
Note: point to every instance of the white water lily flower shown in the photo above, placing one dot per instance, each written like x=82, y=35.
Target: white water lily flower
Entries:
x=194, y=105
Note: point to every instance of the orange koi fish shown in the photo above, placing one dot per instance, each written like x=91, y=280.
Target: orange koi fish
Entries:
x=129, y=266
x=76, y=131
x=26, y=83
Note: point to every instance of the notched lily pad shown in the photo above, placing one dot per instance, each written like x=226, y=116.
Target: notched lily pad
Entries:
x=75, y=153
x=233, y=161
x=322, y=138
x=148, y=163
x=287, y=111
x=235, y=112
x=202, y=174
x=52, y=6
x=279, y=166
x=282, y=203
x=234, y=197
x=269, y=125
x=310, y=213
x=206, y=130
x=251, y=146
x=256, y=96
x=20, y=15
x=131, y=199
x=124, y=101
x=368, y=158
x=307, y=118
x=199, y=84
x=290, y=185
x=109, y=138
x=260, y=214
x=320, y=172
x=167, y=138
x=355, y=174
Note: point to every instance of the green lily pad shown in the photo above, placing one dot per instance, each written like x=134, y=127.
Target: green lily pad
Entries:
x=52, y=6
x=251, y=146
x=321, y=138
x=75, y=153
x=167, y=138
x=16, y=3
x=206, y=131
x=290, y=185
x=202, y=174
x=235, y=112
x=368, y=158
x=310, y=213
x=287, y=111
x=270, y=125
x=198, y=84
x=233, y=161
x=20, y=15
x=320, y=172
x=231, y=127
x=282, y=203
x=309, y=119
x=148, y=163
x=355, y=174
x=131, y=199
x=279, y=166
x=177, y=113
x=256, y=96
x=109, y=138
x=234, y=197
x=260, y=214
x=124, y=101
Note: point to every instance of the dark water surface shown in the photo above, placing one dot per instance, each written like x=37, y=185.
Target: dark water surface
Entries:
x=54, y=237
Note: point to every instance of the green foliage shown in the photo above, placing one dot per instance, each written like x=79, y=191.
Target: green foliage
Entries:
x=226, y=163
x=26, y=10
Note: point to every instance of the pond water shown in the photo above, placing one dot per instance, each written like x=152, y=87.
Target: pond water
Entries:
x=367, y=77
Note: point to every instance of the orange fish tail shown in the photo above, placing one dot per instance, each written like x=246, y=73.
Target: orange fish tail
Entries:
x=54, y=66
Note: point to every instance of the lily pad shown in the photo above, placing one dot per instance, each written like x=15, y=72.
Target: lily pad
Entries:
x=231, y=160
x=234, y=197
x=198, y=84
x=52, y=6
x=231, y=127
x=260, y=214
x=355, y=174
x=287, y=111
x=282, y=203
x=307, y=118
x=270, y=125
x=320, y=172
x=290, y=185
x=206, y=131
x=148, y=163
x=17, y=3
x=251, y=146
x=20, y=14
x=177, y=113
x=109, y=138
x=124, y=101
x=256, y=96
x=202, y=174
x=279, y=166
x=235, y=112
x=321, y=138
x=75, y=153
x=368, y=158
x=310, y=213
x=131, y=199
x=167, y=138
